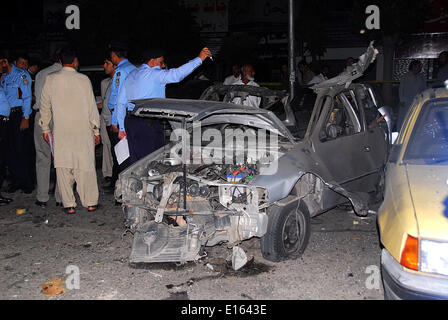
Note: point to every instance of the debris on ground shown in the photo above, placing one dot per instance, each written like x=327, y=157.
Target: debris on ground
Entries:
x=53, y=287
x=239, y=258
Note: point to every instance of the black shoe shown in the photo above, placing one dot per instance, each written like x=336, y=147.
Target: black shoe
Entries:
x=41, y=204
x=58, y=204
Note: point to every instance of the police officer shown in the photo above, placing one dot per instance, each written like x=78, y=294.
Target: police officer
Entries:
x=16, y=83
x=21, y=61
x=117, y=54
x=4, y=118
x=149, y=81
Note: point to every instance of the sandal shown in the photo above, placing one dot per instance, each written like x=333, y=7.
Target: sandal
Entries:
x=69, y=210
x=93, y=208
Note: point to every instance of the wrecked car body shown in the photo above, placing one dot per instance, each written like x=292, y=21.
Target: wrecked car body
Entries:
x=203, y=189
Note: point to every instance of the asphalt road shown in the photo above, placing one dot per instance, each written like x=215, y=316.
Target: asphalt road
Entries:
x=341, y=262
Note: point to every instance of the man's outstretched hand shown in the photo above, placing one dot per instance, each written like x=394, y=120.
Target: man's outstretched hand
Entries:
x=204, y=54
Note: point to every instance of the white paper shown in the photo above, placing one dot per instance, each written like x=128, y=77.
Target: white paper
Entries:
x=122, y=150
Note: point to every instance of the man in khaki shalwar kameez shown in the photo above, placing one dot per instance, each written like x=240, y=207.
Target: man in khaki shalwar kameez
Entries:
x=68, y=99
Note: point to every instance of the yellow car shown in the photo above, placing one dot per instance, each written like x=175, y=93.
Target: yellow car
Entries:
x=413, y=219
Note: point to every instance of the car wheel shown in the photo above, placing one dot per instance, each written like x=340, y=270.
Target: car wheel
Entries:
x=287, y=234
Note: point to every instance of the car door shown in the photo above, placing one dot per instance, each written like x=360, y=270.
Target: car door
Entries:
x=342, y=143
x=377, y=126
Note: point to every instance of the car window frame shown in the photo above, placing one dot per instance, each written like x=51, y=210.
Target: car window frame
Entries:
x=351, y=113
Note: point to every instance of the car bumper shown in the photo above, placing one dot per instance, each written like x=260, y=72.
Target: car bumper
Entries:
x=400, y=284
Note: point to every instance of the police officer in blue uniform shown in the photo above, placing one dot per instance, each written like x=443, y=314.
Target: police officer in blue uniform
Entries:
x=117, y=54
x=4, y=118
x=146, y=82
x=16, y=84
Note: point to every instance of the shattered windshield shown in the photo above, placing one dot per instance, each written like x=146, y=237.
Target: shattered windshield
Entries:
x=429, y=140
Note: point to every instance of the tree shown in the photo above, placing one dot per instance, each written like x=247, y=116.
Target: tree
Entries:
x=397, y=18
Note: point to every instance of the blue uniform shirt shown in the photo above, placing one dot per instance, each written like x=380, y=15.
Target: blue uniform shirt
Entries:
x=146, y=82
x=17, y=86
x=121, y=73
x=4, y=104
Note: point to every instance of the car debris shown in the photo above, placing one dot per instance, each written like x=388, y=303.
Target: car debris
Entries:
x=239, y=258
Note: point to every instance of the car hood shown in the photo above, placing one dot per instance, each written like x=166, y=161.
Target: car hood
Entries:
x=209, y=113
x=429, y=190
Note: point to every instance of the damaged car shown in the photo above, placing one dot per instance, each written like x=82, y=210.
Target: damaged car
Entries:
x=231, y=172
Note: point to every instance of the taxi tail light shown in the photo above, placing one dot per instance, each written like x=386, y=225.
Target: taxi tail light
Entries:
x=409, y=256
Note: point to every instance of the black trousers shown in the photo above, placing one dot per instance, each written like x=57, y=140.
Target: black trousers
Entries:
x=3, y=147
x=20, y=152
x=144, y=137
x=113, y=137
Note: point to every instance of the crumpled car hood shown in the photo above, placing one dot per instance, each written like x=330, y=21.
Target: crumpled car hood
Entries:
x=209, y=113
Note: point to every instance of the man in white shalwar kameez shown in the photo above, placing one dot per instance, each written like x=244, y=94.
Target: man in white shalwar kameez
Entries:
x=68, y=99
x=247, y=78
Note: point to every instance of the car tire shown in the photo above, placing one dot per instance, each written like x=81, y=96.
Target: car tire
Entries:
x=281, y=242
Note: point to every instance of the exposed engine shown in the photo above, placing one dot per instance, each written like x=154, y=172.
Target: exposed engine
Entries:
x=180, y=209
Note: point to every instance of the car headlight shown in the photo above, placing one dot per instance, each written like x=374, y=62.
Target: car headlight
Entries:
x=434, y=257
